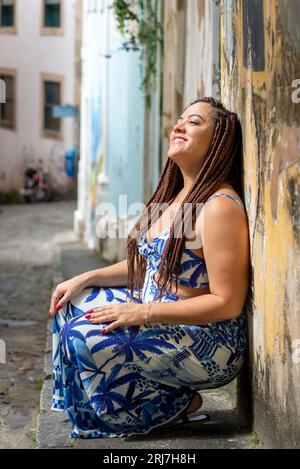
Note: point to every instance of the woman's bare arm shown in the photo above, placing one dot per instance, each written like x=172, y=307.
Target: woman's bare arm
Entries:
x=226, y=250
x=113, y=275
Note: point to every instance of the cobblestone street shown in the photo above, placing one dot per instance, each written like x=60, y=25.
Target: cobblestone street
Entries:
x=28, y=237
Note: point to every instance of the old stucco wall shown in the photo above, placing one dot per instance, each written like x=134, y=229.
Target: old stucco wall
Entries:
x=191, y=67
x=255, y=60
x=260, y=58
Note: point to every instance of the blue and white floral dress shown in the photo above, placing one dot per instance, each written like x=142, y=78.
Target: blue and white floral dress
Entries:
x=137, y=378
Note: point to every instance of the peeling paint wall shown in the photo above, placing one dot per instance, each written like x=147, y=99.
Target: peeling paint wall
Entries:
x=152, y=121
x=248, y=53
x=260, y=58
x=173, y=67
x=191, y=66
x=201, y=56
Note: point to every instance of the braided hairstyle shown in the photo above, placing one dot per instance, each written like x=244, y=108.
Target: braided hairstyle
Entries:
x=222, y=162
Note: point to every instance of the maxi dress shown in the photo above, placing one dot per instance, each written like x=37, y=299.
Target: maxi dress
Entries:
x=136, y=378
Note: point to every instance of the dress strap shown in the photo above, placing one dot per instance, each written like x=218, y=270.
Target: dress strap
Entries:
x=226, y=195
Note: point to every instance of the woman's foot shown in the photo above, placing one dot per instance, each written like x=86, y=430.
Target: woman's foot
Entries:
x=194, y=405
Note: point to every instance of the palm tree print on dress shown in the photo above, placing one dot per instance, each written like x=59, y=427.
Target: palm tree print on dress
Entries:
x=139, y=377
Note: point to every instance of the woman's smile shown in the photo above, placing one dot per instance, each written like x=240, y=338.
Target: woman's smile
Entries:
x=179, y=140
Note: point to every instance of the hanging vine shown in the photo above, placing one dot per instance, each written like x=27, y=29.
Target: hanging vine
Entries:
x=137, y=22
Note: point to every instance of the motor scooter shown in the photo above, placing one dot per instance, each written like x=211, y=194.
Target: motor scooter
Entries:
x=36, y=186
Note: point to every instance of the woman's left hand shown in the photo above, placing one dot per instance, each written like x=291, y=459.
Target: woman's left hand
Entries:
x=121, y=314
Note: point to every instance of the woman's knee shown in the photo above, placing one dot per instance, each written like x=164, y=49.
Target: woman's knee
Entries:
x=67, y=330
x=67, y=312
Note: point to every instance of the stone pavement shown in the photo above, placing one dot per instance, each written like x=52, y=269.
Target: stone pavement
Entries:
x=226, y=429
x=28, y=239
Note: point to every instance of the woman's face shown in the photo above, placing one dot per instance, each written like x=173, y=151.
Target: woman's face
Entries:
x=191, y=136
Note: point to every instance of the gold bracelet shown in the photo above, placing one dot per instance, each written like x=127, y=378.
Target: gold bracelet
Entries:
x=147, y=316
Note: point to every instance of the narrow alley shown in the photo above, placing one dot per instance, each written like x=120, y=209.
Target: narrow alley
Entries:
x=119, y=120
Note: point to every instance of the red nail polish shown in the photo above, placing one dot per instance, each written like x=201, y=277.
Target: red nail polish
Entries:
x=58, y=307
x=104, y=331
x=90, y=311
x=87, y=316
x=50, y=314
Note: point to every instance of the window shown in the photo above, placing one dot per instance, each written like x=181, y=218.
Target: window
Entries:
x=52, y=17
x=7, y=109
x=52, y=12
x=7, y=13
x=52, y=97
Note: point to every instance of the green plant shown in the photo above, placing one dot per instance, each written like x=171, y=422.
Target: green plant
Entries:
x=137, y=20
x=39, y=384
x=31, y=434
x=255, y=439
x=74, y=442
x=10, y=197
x=34, y=441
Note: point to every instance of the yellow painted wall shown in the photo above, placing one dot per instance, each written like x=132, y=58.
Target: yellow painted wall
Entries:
x=259, y=59
x=271, y=135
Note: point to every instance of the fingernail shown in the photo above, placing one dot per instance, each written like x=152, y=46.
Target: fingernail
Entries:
x=50, y=314
x=58, y=307
x=104, y=331
x=87, y=316
x=90, y=311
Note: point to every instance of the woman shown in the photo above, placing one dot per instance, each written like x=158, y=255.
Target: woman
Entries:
x=133, y=342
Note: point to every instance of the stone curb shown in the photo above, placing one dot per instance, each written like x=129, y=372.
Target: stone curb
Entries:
x=51, y=425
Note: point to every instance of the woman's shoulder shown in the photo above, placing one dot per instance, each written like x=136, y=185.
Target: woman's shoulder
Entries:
x=214, y=208
x=217, y=210
x=226, y=188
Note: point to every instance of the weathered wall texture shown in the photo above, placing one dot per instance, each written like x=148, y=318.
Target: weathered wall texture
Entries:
x=201, y=55
x=173, y=67
x=251, y=50
x=260, y=58
x=191, y=66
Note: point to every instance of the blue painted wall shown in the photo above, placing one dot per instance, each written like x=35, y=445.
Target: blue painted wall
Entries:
x=125, y=122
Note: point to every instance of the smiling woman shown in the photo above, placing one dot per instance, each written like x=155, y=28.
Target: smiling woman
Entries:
x=134, y=342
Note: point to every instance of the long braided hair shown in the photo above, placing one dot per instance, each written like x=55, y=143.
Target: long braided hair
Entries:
x=222, y=162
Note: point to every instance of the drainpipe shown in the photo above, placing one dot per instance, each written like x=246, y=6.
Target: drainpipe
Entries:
x=2, y=91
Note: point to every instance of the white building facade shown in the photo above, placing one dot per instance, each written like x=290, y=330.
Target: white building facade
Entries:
x=37, y=62
x=111, y=164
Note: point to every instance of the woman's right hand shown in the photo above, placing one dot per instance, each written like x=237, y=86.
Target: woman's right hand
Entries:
x=64, y=292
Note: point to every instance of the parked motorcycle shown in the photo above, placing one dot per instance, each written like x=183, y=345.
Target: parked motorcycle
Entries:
x=36, y=186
